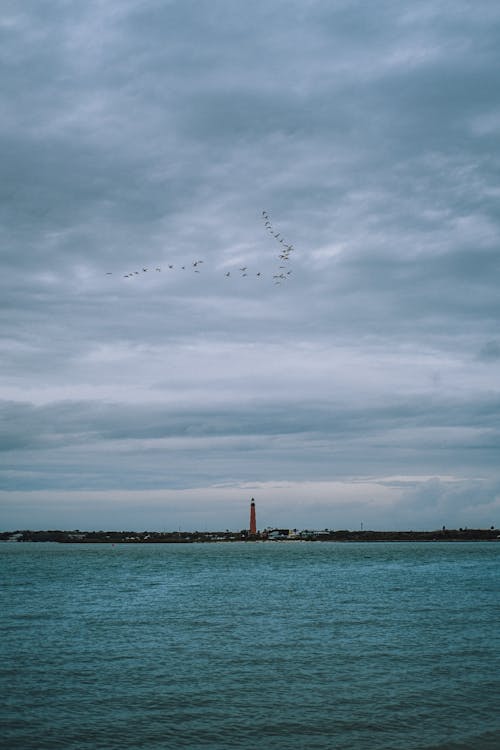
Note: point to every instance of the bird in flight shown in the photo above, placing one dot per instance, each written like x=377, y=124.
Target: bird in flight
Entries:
x=282, y=274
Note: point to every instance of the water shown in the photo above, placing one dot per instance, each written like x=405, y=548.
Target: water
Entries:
x=284, y=645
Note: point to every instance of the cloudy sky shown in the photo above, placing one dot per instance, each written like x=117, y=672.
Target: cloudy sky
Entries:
x=356, y=379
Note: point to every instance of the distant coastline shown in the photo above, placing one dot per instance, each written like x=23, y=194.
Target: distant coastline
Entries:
x=273, y=535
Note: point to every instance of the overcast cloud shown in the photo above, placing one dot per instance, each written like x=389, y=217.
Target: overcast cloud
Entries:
x=354, y=380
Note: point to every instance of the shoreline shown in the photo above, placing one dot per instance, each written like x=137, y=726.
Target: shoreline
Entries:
x=188, y=537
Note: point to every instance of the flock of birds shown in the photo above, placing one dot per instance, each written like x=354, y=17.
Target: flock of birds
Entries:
x=278, y=276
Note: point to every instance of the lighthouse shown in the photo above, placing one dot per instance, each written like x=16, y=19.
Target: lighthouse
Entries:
x=253, y=522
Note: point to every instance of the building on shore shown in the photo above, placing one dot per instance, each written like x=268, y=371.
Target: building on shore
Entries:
x=253, y=520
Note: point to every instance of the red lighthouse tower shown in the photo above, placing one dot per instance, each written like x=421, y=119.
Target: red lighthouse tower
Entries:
x=253, y=522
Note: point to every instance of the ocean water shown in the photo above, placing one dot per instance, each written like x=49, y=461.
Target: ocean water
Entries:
x=256, y=645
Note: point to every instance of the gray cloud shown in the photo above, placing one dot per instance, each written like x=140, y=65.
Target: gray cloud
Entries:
x=490, y=351
x=148, y=134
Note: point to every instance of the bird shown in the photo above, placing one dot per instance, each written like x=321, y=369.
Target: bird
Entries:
x=282, y=273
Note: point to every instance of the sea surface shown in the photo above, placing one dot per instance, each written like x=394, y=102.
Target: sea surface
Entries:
x=250, y=645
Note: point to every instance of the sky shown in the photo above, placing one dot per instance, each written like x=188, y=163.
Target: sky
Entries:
x=317, y=183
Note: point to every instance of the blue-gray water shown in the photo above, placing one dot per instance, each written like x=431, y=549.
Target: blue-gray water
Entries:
x=284, y=645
